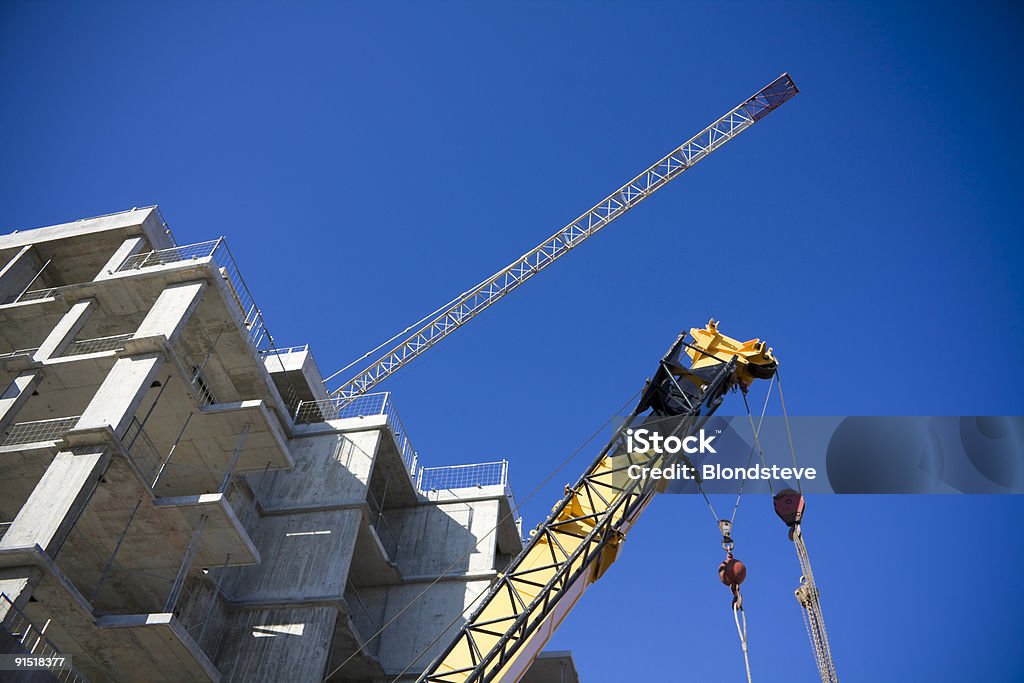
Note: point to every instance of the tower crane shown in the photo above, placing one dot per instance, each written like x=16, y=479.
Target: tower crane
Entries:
x=580, y=539
x=436, y=326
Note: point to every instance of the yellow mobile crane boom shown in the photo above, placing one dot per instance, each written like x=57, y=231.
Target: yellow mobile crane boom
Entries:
x=435, y=326
x=581, y=537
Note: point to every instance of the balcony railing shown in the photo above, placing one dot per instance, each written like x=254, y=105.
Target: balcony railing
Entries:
x=463, y=476
x=362, y=619
x=285, y=350
x=16, y=353
x=39, y=430
x=363, y=406
x=142, y=452
x=387, y=536
x=81, y=347
x=30, y=640
x=160, y=257
x=37, y=294
x=477, y=475
x=217, y=251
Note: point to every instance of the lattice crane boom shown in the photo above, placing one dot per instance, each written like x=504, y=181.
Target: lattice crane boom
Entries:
x=472, y=302
x=581, y=537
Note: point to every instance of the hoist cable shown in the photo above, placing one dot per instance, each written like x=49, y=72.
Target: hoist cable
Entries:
x=757, y=441
x=760, y=422
x=738, y=614
x=789, y=433
x=807, y=593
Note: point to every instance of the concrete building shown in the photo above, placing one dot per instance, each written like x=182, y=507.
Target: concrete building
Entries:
x=180, y=500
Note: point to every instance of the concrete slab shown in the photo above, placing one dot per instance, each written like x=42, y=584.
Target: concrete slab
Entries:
x=161, y=649
x=265, y=444
x=223, y=532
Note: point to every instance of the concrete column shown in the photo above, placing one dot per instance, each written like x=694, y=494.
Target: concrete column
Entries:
x=124, y=387
x=130, y=247
x=66, y=330
x=172, y=311
x=16, y=395
x=121, y=393
x=18, y=273
x=49, y=513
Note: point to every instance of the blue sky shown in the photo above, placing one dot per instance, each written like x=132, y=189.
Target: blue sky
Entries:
x=368, y=162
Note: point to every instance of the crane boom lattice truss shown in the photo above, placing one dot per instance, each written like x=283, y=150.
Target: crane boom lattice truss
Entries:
x=474, y=301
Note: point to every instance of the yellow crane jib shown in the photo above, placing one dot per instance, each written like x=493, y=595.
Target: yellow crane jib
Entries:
x=584, y=532
x=754, y=359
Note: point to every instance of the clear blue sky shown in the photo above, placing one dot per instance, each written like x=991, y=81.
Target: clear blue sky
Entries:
x=367, y=162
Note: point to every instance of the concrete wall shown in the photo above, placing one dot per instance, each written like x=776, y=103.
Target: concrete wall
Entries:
x=304, y=557
x=450, y=538
x=289, y=644
x=412, y=632
x=330, y=469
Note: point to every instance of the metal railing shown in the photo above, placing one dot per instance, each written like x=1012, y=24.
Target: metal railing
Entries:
x=476, y=475
x=16, y=353
x=32, y=641
x=364, y=406
x=81, y=347
x=427, y=479
x=160, y=257
x=217, y=251
x=39, y=431
x=142, y=452
x=380, y=524
x=366, y=626
x=284, y=350
x=37, y=294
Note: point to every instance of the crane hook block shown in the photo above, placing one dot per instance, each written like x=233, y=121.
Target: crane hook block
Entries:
x=732, y=572
x=710, y=347
x=789, y=506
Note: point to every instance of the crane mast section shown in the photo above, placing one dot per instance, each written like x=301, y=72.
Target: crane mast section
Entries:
x=474, y=301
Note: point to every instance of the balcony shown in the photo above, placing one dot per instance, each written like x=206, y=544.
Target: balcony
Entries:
x=26, y=451
x=367, y=405
x=217, y=252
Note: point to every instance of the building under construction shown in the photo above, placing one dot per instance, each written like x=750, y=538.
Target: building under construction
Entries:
x=182, y=500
